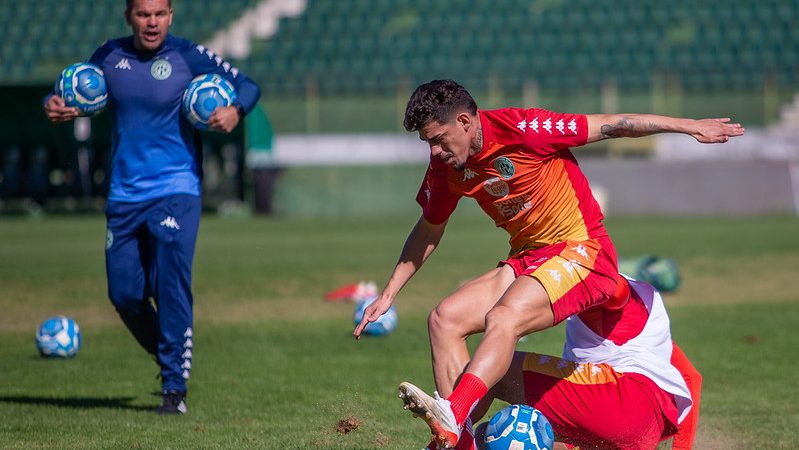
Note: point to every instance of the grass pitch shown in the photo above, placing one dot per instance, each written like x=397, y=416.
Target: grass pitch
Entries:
x=275, y=367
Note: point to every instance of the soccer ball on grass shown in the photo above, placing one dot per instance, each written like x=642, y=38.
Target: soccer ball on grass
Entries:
x=58, y=336
x=519, y=427
x=385, y=324
x=662, y=273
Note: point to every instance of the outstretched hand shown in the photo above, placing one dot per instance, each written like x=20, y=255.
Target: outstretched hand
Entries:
x=57, y=112
x=714, y=131
x=372, y=312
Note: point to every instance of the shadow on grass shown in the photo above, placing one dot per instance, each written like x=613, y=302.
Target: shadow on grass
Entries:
x=77, y=402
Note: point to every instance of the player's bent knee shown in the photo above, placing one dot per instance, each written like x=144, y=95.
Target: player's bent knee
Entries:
x=502, y=318
x=125, y=301
x=442, y=320
x=518, y=322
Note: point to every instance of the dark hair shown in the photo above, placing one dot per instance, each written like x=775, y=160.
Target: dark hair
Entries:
x=129, y=4
x=437, y=100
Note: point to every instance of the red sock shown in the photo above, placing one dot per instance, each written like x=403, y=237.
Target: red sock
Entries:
x=466, y=395
x=466, y=441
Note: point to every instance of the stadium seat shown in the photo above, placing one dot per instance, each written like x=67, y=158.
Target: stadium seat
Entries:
x=562, y=45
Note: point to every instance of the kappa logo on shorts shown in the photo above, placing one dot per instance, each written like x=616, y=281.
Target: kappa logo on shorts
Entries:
x=109, y=239
x=571, y=266
x=170, y=222
x=554, y=274
x=580, y=250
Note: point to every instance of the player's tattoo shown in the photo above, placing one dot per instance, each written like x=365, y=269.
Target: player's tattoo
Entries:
x=477, y=144
x=629, y=128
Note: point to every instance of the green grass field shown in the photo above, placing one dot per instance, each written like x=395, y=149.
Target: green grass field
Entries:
x=275, y=366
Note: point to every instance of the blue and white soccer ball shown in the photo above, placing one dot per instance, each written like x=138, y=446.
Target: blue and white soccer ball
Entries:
x=204, y=94
x=82, y=86
x=58, y=336
x=519, y=427
x=385, y=324
x=662, y=273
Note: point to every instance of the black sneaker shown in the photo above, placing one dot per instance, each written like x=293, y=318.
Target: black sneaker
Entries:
x=172, y=402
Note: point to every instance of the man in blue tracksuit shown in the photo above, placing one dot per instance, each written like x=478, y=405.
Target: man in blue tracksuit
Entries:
x=154, y=206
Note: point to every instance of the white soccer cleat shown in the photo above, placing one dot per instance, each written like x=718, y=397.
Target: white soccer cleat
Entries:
x=436, y=412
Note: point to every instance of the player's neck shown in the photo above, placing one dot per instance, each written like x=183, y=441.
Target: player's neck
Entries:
x=477, y=142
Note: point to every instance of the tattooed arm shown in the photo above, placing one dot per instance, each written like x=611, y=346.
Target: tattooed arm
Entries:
x=604, y=126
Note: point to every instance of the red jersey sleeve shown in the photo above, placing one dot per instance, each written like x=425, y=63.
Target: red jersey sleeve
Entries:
x=547, y=132
x=434, y=196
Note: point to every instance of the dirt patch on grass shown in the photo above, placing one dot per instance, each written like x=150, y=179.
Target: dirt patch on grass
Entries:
x=348, y=424
x=381, y=440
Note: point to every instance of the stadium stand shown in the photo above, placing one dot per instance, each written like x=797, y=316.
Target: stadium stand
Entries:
x=347, y=67
x=372, y=45
x=44, y=36
x=357, y=46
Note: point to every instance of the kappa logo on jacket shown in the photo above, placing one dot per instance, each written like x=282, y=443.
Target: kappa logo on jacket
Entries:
x=123, y=64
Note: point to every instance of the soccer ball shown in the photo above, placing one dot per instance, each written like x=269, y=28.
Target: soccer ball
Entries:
x=82, y=86
x=662, y=273
x=383, y=325
x=58, y=336
x=204, y=94
x=519, y=427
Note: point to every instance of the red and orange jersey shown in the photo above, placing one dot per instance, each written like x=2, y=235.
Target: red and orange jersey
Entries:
x=525, y=178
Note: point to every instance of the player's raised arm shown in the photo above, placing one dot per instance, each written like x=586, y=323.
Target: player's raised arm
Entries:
x=422, y=241
x=707, y=131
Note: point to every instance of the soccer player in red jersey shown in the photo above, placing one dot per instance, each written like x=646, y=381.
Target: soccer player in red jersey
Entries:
x=621, y=382
x=617, y=385
x=517, y=164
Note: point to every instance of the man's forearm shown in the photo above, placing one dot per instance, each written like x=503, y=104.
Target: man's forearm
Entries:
x=422, y=241
x=638, y=125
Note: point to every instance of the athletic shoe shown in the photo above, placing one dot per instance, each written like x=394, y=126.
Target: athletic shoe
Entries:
x=172, y=402
x=431, y=446
x=354, y=292
x=465, y=442
x=436, y=412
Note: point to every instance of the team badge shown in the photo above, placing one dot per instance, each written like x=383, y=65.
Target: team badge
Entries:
x=109, y=239
x=161, y=69
x=504, y=166
x=496, y=187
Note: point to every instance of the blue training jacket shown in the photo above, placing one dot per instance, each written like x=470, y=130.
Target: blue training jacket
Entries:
x=156, y=151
